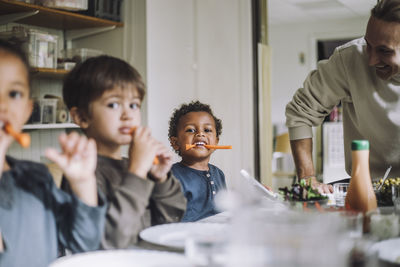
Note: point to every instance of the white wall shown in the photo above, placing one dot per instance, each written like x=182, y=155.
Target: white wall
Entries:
x=201, y=49
x=287, y=42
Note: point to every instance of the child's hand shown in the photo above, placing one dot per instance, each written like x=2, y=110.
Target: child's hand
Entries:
x=5, y=142
x=78, y=162
x=1, y=243
x=160, y=171
x=142, y=151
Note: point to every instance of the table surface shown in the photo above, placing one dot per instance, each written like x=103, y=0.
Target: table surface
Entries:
x=224, y=217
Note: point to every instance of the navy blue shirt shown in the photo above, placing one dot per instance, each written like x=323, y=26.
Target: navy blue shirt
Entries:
x=199, y=188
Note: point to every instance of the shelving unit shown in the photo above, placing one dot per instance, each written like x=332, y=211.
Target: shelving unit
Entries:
x=52, y=18
x=49, y=126
x=48, y=73
x=68, y=26
x=72, y=24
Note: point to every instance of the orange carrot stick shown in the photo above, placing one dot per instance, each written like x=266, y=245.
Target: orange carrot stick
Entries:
x=218, y=147
x=22, y=138
x=188, y=146
x=155, y=160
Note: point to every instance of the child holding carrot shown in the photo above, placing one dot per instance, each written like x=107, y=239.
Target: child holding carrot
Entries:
x=193, y=128
x=104, y=95
x=35, y=216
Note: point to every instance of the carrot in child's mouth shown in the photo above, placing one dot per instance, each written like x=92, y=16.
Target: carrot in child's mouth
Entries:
x=189, y=146
x=22, y=138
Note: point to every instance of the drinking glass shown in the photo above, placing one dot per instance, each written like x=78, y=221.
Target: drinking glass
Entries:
x=340, y=192
x=396, y=198
x=384, y=226
x=353, y=223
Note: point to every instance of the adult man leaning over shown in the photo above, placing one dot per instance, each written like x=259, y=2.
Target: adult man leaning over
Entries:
x=364, y=76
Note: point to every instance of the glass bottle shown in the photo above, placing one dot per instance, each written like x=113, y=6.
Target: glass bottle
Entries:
x=360, y=195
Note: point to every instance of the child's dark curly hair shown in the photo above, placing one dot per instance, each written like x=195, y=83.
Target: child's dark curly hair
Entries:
x=194, y=106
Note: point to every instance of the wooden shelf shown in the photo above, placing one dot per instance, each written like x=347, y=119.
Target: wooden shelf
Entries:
x=53, y=18
x=49, y=126
x=48, y=73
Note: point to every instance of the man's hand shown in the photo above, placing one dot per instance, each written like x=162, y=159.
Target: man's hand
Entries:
x=322, y=188
x=302, y=155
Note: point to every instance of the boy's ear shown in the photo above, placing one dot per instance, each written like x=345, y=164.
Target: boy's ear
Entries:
x=174, y=143
x=79, y=118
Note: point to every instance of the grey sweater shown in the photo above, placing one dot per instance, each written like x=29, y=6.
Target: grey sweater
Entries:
x=371, y=106
x=135, y=203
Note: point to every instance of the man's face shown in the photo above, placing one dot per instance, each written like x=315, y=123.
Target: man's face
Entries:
x=383, y=47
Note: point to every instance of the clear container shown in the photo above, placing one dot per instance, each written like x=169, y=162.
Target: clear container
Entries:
x=72, y=5
x=48, y=110
x=41, y=47
x=384, y=226
x=78, y=55
x=36, y=116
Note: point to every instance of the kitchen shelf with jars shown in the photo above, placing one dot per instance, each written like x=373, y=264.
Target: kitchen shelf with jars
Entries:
x=50, y=54
x=47, y=34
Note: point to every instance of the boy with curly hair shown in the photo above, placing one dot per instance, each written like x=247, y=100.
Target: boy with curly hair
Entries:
x=195, y=124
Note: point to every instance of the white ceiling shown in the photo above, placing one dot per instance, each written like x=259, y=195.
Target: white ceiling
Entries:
x=295, y=11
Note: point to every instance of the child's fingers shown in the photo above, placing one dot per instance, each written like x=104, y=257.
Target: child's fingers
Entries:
x=164, y=152
x=142, y=132
x=62, y=140
x=90, y=149
x=164, y=155
x=71, y=143
x=53, y=155
x=80, y=146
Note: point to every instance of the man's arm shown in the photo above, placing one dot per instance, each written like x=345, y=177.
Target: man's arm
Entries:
x=302, y=155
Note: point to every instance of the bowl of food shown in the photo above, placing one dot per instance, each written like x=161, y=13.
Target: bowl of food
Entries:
x=303, y=195
x=384, y=193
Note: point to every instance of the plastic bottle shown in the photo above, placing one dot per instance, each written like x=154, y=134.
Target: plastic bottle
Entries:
x=360, y=195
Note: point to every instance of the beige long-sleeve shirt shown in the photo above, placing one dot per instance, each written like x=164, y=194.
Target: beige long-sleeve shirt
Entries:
x=371, y=106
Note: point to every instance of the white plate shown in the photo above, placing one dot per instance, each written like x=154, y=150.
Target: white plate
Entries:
x=174, y=235
x=388, y=250
x=222, y=217
x=123, y=258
